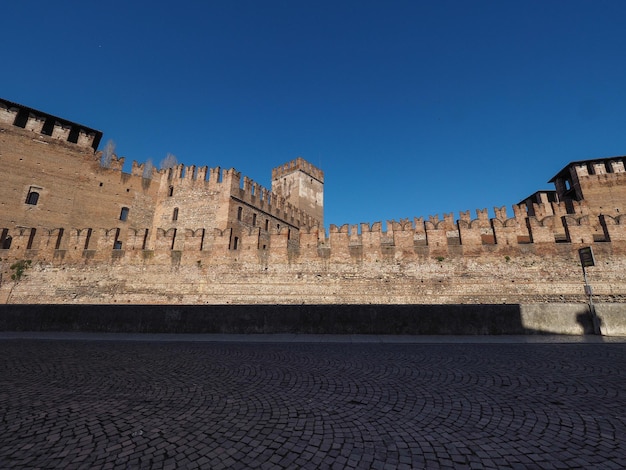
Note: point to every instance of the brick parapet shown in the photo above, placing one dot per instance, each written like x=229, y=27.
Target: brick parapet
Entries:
x=48, y=126
x=299, y=164
x=345, y=244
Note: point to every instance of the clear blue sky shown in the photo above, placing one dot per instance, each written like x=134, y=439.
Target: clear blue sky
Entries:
x=411, y=108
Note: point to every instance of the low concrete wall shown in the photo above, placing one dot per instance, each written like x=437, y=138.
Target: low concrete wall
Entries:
x=420, y=319
x=612, y=319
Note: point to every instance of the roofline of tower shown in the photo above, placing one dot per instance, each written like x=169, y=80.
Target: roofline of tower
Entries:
x=97, y=134
x=299, y=164
x=577, y=162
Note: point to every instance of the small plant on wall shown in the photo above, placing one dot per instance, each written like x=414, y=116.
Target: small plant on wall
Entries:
x=440, y=258
x=19, y=271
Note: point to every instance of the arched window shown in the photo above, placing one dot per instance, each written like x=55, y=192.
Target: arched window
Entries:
x=175, y=214
x=32, y=198
x=170, y=191
x=124, y=214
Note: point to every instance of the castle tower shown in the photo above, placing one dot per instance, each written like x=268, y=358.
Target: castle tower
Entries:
x=600, y=183
x=302, y=185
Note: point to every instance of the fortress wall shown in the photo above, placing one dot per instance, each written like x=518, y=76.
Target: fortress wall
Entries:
x=245, y=278
x=73, y=190
x=224, y=200
x=346, y=267
x=208, y=235
x=187, y=200
x=606, y=190
x=615, y=227
x=402, y=241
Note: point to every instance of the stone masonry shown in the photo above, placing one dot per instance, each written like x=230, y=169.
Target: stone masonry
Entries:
x=187, y=234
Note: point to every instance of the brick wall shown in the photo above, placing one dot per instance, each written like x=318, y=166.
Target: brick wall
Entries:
x=199, y=235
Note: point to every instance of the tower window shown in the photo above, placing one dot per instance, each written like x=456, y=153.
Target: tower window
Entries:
x=170, y=191
x=124, y=214
x=254, y=220
x=32, y=198
x=239, y=213
x=175, y=214
x=5, y=239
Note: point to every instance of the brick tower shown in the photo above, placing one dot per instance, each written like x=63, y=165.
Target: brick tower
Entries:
x=302, y=185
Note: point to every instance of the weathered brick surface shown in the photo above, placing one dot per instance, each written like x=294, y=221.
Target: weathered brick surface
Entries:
x=200, y=235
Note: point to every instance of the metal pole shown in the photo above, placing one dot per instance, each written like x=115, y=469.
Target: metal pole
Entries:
x=592, y=309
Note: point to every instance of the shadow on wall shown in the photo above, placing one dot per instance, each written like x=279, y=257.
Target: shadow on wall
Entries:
x=468, y=319
x=567, y=319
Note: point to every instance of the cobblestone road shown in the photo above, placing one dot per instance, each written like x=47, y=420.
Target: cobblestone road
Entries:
x=124, y=404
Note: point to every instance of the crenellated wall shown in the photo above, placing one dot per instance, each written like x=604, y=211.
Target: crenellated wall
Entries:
x=208, y=235
x=42, y=123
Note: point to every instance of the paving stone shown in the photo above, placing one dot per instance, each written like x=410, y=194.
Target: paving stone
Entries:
x=110, y=404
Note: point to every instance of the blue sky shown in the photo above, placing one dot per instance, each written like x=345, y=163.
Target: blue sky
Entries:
x=411, y=108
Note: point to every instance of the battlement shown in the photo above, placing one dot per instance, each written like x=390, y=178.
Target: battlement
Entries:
x=48, y=125
x=403, y=241
x=600, y=166
x=209, y=229
x=234, y=185
x=299, y=164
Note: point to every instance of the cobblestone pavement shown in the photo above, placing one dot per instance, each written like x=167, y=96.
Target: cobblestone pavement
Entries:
x=153, y=404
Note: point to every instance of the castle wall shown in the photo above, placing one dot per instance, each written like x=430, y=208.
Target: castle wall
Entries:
x=207, y=235
x=72, y=189
x=54, y=187
x=376, y=266
x=241, y=279
x=604, y=193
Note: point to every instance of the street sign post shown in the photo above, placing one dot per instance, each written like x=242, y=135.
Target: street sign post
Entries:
x=587, y=259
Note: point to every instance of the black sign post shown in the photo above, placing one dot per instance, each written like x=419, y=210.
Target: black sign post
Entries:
x=587, y=259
